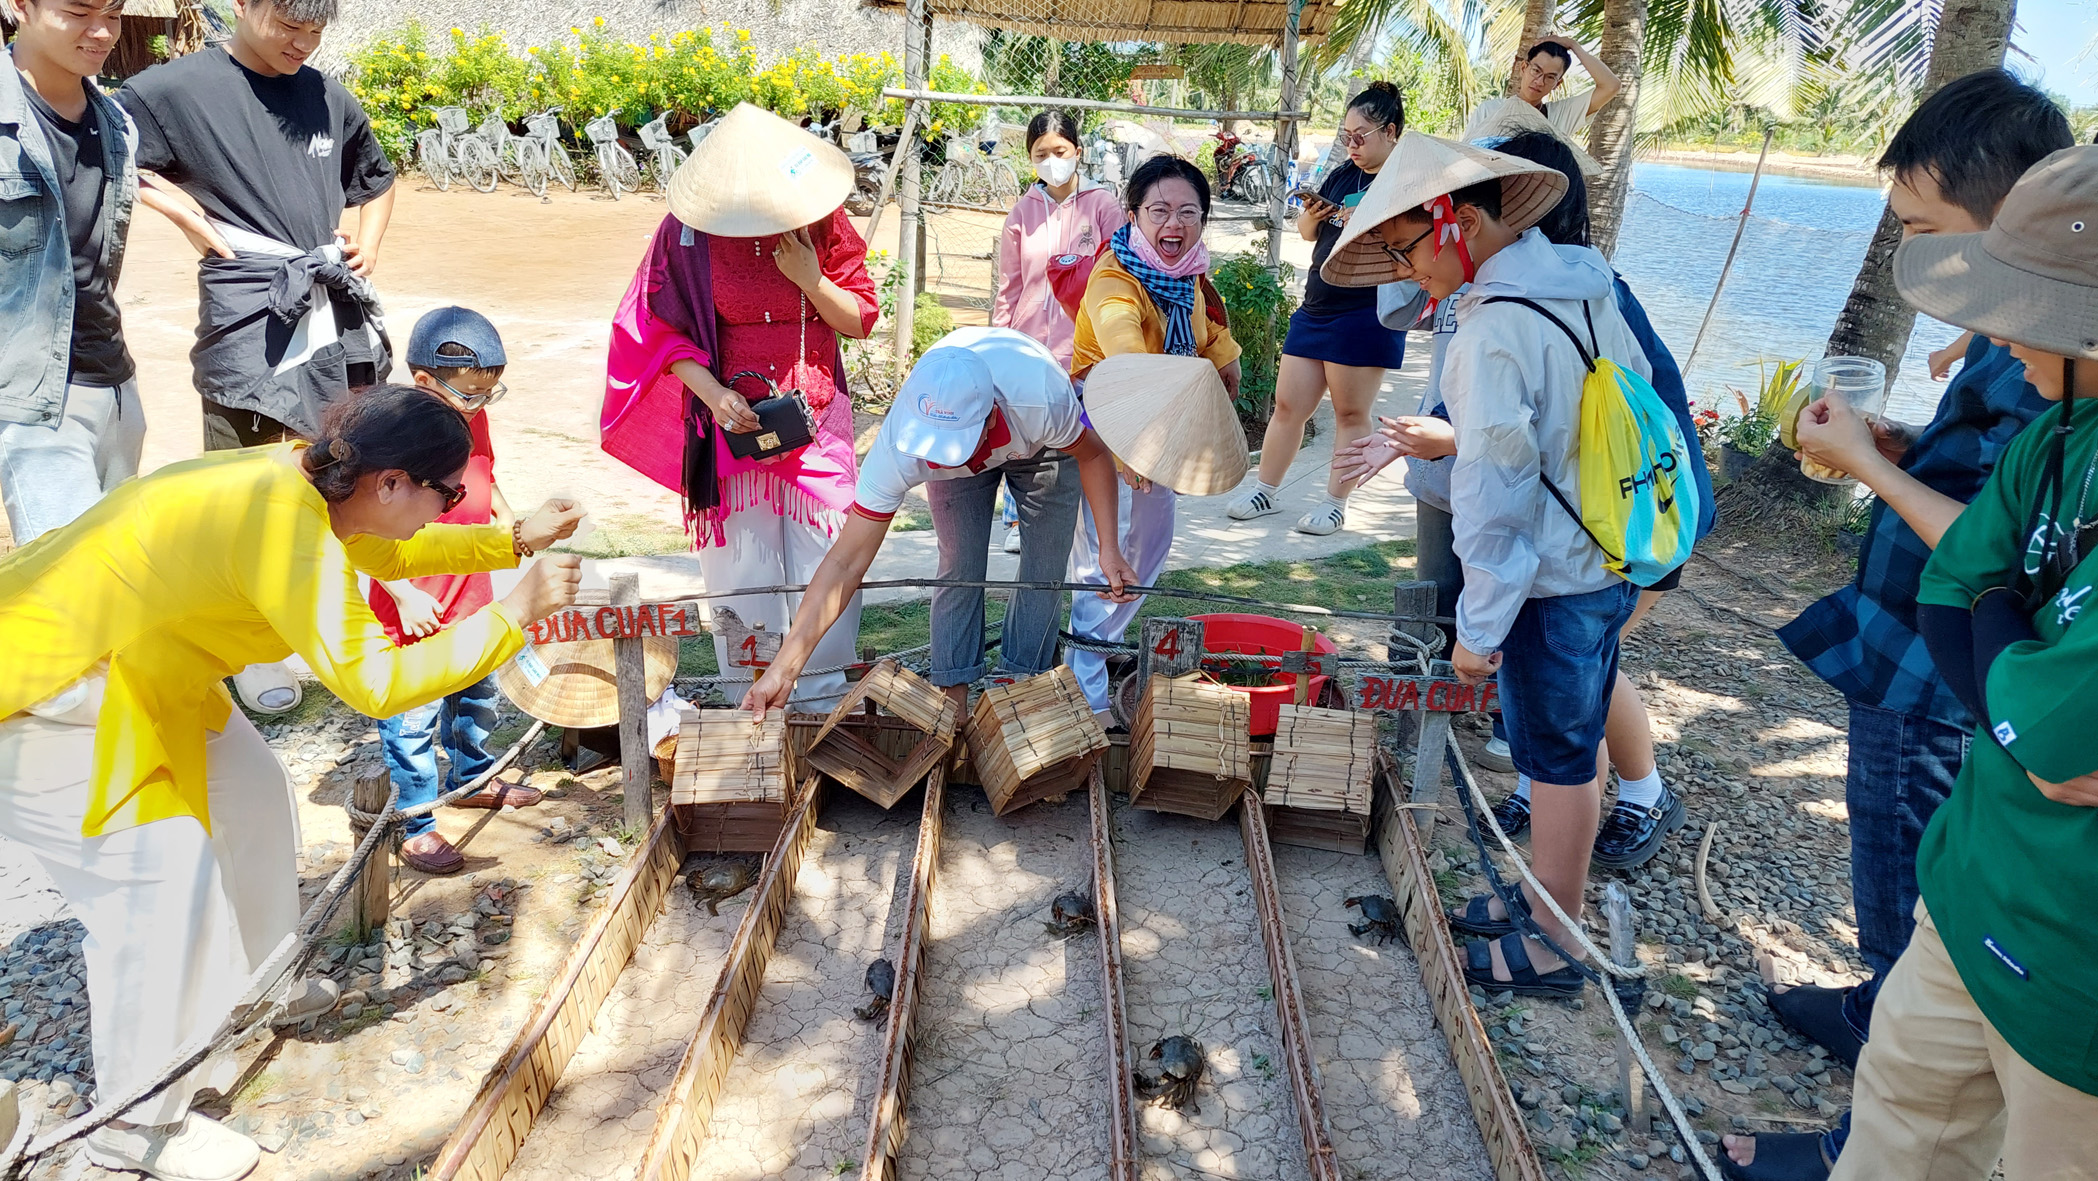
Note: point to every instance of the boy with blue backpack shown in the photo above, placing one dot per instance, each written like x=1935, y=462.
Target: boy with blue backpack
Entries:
x=1553, y=559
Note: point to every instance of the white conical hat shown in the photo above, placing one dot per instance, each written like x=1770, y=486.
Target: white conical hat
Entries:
x=1421, y=169
x=757, y=174
x=1506, y=118
x=1169, y=419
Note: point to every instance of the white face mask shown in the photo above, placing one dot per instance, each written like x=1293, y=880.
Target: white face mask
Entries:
x=1056, y=171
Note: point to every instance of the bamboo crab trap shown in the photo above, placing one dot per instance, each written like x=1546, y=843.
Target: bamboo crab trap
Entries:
x=1034, y=739
x=847, y=756
x=1319, y=778
x=732, y=781
x=1188, y=751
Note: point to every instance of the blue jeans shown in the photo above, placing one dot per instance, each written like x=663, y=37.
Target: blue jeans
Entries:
x=51, y=474
x=1558, y=665
x=1901, y=768
x=463, y=721
x=1045, y=491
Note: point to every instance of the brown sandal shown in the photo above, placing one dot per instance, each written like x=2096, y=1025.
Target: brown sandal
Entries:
x=502, y=795
x=438, y=862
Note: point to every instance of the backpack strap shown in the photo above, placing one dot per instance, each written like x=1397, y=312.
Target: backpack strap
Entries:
x=1588, y=352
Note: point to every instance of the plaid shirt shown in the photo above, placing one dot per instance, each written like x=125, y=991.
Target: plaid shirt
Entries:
x=1862, y=639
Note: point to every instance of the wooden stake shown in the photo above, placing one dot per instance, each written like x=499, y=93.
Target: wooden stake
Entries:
x=1624, y=949
x=632, y=668
x=374, y=893
x=1311, y=639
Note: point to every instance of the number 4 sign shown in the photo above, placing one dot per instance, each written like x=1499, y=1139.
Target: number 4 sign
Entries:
x=1170, y=647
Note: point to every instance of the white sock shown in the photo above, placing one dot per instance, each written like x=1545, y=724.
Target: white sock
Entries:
x=1640, y=793
x=1260, y=485
x=1522, y=787
x=1337, y=502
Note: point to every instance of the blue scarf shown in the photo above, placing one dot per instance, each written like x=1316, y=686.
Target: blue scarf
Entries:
x=1176, y=296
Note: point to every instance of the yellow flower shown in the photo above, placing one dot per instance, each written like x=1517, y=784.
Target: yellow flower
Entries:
x=598, y=21
x=576, y=29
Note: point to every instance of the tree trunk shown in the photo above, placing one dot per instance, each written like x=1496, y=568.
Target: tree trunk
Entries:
x=1616, y=126
x=1875, y=322
x=1537, y=21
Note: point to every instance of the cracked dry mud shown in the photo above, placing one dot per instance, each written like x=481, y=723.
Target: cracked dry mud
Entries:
x=1395, y=1104
x=1009, y=1081
x=796, y=1102
x=598, y=1121
x=1193, y=963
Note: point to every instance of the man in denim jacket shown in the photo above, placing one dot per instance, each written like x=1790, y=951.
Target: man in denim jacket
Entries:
x=70, y=422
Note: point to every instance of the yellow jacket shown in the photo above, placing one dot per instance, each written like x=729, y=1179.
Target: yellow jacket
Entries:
x=180, y=579
x=1116, y=315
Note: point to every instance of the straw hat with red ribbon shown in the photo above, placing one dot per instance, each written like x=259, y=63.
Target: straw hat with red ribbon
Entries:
x=1420, y=175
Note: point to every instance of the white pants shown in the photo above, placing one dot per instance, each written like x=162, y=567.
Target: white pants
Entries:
x=763, y=548
x=176, y=919
x=52, y=474
x=1147, y=537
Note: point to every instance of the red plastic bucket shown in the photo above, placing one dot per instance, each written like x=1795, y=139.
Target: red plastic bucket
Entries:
x=1263, y=635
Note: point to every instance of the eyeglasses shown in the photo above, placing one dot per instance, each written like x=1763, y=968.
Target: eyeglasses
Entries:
x=473, y=402
x=1545, y=74
x=1402, y=255
x=1159, y=215
x=452, y=493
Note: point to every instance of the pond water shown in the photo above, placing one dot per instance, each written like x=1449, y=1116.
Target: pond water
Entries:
x=1798, y=257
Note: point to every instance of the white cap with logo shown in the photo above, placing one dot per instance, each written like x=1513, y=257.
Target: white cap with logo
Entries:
x=940, y=412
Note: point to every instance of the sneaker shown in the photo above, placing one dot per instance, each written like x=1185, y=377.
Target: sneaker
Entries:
x=1631, y=835
x=267, y=688
x=1513, y=814
x=1253, y=502
x=1326, y=518
x=311, y=997
x=1495, y=756
x=1012, y=539
x=195, y=1149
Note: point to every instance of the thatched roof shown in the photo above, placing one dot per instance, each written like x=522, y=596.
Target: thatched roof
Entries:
x=1257, y=22
x=164, y=9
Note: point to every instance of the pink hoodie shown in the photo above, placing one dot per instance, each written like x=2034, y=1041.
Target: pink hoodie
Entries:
x=1037, y=230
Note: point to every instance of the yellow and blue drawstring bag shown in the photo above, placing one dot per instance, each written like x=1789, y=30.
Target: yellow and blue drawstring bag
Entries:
x=1638, y=499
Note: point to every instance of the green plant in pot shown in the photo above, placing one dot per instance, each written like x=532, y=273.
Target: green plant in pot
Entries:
x=1747, y=435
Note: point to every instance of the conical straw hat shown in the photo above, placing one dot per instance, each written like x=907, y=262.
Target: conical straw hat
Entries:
x=757, y=174
x=1421, y=169
x=581, y=689
x=1169, y=419
x=1506, y=118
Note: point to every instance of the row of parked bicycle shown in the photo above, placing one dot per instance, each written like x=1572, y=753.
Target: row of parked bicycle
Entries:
x=484, y=156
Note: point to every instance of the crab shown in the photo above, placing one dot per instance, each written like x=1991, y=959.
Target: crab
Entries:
x=1380, y=917
x=1180, y=1066
x=881, y=981
x=1071, y=913
x=715, y=884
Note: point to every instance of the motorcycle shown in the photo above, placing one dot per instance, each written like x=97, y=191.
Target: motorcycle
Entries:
x=1241, y=173
x=869, y=151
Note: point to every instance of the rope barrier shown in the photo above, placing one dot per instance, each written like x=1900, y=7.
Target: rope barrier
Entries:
x=1164, y=592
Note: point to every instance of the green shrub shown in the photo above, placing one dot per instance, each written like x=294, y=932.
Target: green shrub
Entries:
x=930, y=320
x=1258, y=304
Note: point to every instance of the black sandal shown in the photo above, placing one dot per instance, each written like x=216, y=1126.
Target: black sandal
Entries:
x=1780, y=1156
x=1525, y=980
x=1476, y=918
x=1816, y=1013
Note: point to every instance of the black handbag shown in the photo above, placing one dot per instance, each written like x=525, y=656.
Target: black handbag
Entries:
x=785, y=423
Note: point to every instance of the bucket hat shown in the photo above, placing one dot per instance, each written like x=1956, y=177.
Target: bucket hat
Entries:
x=1169, y=419
x=757, y=174
x=1421, y=169
x=580, y=687
x=2032, y=276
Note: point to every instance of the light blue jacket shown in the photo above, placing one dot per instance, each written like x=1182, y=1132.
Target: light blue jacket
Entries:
x=36, y=256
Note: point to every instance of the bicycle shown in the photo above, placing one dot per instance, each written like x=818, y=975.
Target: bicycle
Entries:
x=513, y=155
x=616, y=168
x=658, y=141
x=444, y=154
x=547, y=152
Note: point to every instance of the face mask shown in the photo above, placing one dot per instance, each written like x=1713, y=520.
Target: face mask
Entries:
x=1056, y=170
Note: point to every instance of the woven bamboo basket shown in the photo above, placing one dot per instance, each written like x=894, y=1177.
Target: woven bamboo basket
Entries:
x=1323, y=760
x=845, y=754
x=1188, y=751
x=732, y=783
x=1033, y=739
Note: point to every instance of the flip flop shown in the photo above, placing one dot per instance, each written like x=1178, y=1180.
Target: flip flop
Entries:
x=502, y=795
x=1476, y=919
x=439, y=862
x=1816, y=1013
x=1780, y=1156
x=1525, y=979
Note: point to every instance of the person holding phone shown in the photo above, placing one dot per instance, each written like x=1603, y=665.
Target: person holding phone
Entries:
x=1335, y=340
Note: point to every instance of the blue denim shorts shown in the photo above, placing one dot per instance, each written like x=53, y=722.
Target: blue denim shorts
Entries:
x=1557, y=668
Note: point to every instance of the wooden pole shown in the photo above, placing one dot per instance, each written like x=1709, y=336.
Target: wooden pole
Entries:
x=1740, y=228
x=1431, y=731
x=1285, y=132
x=1624, y=949
x=917, y=15
x=1310, y=645
x=375, y=889
x=631, y=665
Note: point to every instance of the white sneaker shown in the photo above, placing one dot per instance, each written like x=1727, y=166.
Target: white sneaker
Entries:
x=1326, y=518
x=1496, y=756
x=310, y=997
x=267, y=688
x=196, y=1149
x=1253, y=502
x=1012, y=539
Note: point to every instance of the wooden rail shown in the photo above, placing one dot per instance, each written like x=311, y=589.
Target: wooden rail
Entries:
x=1289, y=1006
x=886, y=1128
x=1121, y=1088
x=484, y=1144
x=681, y=1125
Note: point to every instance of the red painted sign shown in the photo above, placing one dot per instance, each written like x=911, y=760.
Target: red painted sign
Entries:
x=1432, y=694
x=617, y=623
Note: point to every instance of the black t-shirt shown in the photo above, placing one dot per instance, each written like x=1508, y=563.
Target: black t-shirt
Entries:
x=1343, y=186
x=279, y=156
x=99, y=356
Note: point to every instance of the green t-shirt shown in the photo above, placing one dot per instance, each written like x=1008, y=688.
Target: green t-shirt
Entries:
x=2011, y=876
